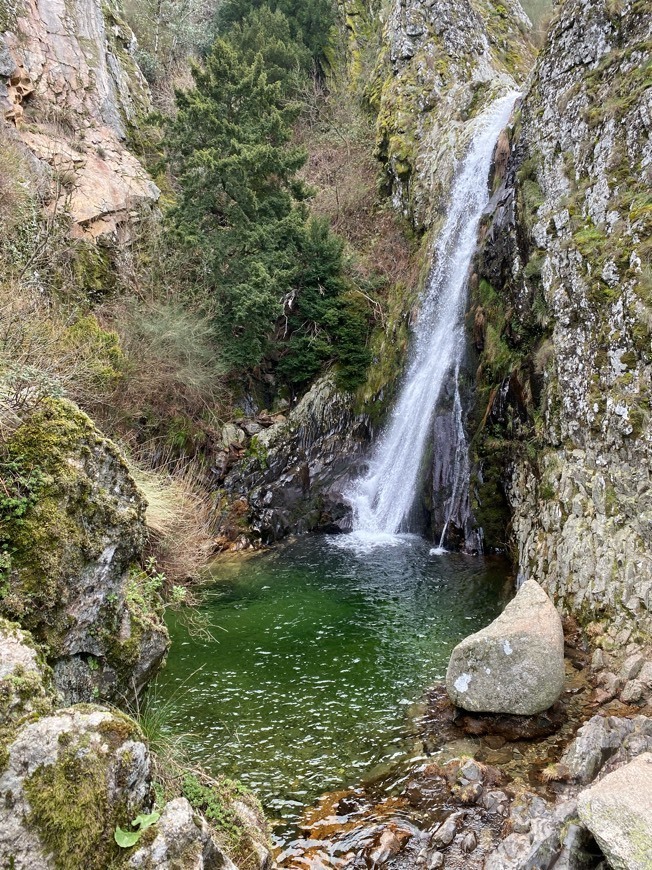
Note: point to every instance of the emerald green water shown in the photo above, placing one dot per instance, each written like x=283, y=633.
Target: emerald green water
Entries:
x=319, y=650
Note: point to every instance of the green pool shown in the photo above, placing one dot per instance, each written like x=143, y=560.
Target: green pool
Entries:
x=320, y=647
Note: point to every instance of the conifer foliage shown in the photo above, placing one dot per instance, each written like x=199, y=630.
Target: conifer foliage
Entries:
x=277, y=275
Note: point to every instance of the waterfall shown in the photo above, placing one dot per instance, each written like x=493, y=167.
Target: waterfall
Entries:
x=383, y=497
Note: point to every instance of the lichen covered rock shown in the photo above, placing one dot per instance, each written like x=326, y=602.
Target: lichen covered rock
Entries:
x=444, y=62
x=563, y=306
x=68, y=780
x=516, y=664
x=618, y=812
x=69, y=556
x=26, y=684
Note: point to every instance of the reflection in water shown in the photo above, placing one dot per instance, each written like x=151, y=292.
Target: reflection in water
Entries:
x=323, y=648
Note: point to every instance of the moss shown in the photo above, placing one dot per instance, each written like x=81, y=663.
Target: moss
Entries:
x=94, y=274
x=70, y=810
x=48, y=542
x=215, y=799
x=7, y=15
x=63, y=529
x=101, y=348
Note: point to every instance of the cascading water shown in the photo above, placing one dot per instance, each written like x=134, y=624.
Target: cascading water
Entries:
x=383, y=497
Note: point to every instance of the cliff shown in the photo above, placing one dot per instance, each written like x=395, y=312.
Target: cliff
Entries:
x=562, y=319
x=71, y=87
x=443, y=62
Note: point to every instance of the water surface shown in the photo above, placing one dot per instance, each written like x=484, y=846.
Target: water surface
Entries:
x=320, y=647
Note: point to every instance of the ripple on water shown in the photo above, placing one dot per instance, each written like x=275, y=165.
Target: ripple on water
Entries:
x=325, y=644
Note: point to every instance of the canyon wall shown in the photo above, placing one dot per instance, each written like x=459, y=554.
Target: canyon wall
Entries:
x=71, y=88
x=562, y=322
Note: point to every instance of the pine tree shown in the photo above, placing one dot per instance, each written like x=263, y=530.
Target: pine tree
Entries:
x=229, y=149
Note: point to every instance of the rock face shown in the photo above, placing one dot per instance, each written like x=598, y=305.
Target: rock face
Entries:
x=71, y=570
x=562, y=304
x=69, y=83
x=516, y=664
x=446, y=61
x=618, y=812
x=293, y=479
x=606, y=743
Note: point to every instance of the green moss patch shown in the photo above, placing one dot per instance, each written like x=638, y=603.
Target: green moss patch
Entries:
x=70, y=802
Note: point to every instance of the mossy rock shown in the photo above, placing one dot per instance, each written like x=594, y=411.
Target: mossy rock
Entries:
x=69, y=780
x=71, y=530
x=26, y=682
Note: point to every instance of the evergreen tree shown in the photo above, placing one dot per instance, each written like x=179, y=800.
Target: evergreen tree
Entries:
x=269, y=35
x=310, y=21
x=276, y=276
x=229, y=149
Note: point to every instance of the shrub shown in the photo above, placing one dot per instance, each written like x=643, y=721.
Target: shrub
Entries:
x=172, y=361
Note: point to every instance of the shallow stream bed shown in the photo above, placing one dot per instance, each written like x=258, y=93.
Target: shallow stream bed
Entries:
x=321, y=647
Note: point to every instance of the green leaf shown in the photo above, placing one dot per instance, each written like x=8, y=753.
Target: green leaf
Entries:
x=126, y=839
x=144, y=821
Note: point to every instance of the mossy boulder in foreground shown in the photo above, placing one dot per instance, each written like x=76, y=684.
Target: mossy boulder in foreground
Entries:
x=70, y=779
x=67, y=781
x=71, y=533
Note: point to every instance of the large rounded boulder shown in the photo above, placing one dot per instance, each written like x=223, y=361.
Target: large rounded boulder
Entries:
x=516, y=664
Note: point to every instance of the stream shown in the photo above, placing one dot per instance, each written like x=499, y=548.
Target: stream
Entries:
x=321, y=647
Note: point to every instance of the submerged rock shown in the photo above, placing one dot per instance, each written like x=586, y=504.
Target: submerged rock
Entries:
x=516, y=664
x=618, y=812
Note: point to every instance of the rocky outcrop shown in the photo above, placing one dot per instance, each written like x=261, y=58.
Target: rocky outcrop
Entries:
x=182, y=839
x=550, y=834
x=445, y=61
x=68, y=780
x=516, y=664
x=619, y=816
x=562, y=316
x=70, y=553
x=71, y=779
x=71, y=86
x=293, y=477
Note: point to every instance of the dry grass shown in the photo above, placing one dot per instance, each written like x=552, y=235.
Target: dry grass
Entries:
x=179, y=519
x=44, y=351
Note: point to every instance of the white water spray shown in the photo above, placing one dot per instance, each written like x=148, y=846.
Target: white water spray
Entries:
x=382, y=499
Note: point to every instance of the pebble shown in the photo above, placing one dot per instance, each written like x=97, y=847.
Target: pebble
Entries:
x=469, y=842
x=445, y=833
x=632, y=692
x=631, y=667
